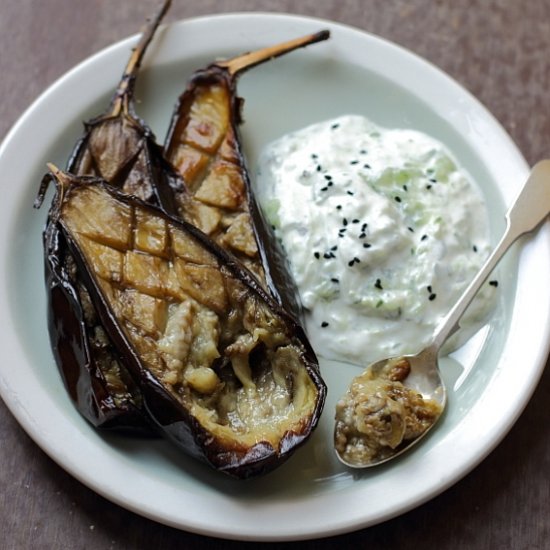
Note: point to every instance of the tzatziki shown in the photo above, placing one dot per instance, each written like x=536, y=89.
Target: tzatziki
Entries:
x=382, y=231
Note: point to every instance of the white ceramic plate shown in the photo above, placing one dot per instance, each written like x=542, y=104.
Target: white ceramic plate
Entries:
x=311, y=495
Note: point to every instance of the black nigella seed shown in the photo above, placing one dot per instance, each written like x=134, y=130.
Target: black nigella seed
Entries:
x=432, y=296
x=328, y=177
x=424, y=237
x=410, y=229
x=324, y=324
x=378, y=284
x=334, y=126
x=324, y=188
x=345, y=222
x=429, y=288
x=335, y=247
x=350, y=263
x=397, y=199
x=357, y=260
x=433, y=180
x=364, y=226
x=339, y=207
x=334, y=280
x=350, y=193
x=405, y=188
x=474, y=248
x=317, y=255
x=326, y=256
x=319, y=168
x=355, y=220
x=354, y=162
x=363, y=152
x=428, y=187
x=362, y=235
x=366, y=245
x=329, y=184
x=313, y=156
x=367, y=166
x=493, y=283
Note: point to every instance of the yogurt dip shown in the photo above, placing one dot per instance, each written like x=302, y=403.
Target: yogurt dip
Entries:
x=382, y=230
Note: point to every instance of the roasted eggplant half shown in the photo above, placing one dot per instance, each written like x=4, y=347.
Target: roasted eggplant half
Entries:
x=119, y=147
x=203, y=145
x=223, y=370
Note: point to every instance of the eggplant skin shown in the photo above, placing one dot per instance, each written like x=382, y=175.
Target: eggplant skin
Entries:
x=83, y=378
x=279, y=357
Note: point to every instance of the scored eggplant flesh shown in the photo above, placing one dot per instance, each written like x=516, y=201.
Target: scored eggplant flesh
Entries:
x=121, y=148
x=204, y=146
x=223, y=370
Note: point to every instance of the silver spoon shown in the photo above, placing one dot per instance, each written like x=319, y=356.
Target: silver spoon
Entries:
x=380, y=440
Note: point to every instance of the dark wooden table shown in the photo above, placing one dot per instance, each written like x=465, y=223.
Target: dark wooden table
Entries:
x=500, y=51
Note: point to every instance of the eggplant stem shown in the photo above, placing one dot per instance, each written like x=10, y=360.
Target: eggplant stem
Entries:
x=61, y=179
x=251, y=59
x=124, y=93
x=44, y=184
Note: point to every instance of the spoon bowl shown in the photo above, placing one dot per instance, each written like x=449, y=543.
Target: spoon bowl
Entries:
x=371, y=416
x=395, y=402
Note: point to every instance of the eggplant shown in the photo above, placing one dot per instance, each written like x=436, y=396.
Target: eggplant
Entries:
x=203, y=145
x=223, y=370
x=119, y=147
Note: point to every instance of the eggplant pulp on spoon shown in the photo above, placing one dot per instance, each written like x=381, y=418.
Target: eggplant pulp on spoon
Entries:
x=379, y=414
x=222, y=369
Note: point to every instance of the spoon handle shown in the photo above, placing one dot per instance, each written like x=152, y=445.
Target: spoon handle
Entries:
x=527, y=212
